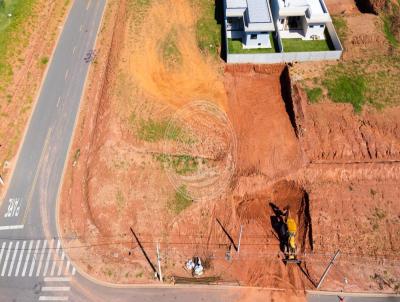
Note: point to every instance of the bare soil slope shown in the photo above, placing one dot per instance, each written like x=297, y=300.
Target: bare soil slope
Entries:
x=267, y=142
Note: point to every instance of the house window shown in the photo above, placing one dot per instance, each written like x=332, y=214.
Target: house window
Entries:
x=253, y=36
x=282, y=21
x=322, y=26
x=311, y=26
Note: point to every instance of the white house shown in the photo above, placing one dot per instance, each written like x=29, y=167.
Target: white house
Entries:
x=251, y=21
x=305, y=19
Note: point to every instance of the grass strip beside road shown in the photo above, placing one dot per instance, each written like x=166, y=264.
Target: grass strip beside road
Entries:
x=14, y=34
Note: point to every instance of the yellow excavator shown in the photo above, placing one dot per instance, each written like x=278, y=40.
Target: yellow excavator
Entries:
x=290, y=249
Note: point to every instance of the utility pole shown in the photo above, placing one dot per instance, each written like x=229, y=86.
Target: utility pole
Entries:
x=327, y=269
x=159, y=262
x=240, y=239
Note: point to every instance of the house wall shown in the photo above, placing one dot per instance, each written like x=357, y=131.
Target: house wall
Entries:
x=282, y=57
x=272, y=58
x=234, y=34
x=262, y=40
x=316, y=30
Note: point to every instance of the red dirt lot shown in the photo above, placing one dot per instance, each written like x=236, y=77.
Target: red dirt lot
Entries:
x=338, y=172
x=267, y=142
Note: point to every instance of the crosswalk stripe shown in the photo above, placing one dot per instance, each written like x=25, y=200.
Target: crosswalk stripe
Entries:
x=13, y=259
x=53, y=298
x=61, y=263
x=57, y=279
x=34, y=258
x=55, y=288
x=21, y=255
x=55, y=258
x=3, y=271
x=27, y=258
x=46, y=266
x=67, y=268
x=2, y=251
x=41, y=258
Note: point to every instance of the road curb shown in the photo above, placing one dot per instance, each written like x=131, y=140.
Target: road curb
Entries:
x=353, y=294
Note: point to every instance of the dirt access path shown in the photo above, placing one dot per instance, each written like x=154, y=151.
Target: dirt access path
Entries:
x=38, y=35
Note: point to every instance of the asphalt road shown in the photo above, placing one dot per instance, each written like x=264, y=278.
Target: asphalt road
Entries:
x=33, y=264
x=323, y=297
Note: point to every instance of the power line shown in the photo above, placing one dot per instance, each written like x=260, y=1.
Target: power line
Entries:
x=168, y=247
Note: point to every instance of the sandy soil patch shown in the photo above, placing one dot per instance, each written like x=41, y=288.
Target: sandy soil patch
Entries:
x=364, y=37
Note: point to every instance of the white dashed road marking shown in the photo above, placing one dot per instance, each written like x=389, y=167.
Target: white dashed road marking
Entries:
x=11, y=227
x=54, y=298
x=55, y=288
x=57, y=279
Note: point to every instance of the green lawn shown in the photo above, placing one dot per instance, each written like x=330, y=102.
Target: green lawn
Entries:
x=299, y=45
x=235, y=46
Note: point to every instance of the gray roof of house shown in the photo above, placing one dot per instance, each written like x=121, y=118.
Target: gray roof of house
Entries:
x=236, y=3
x=258, y=11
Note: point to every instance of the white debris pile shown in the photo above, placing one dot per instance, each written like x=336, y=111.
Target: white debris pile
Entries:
x=194, y=265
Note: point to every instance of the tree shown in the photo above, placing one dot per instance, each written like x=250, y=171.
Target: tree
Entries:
x=2, y=4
